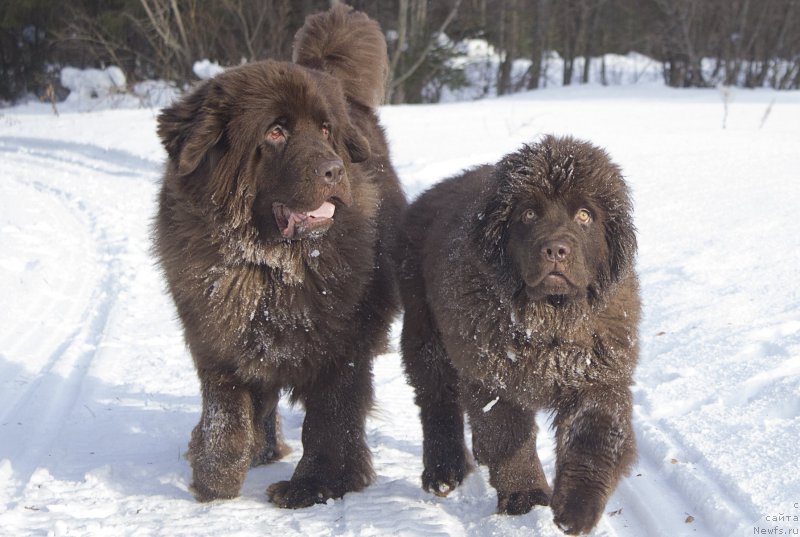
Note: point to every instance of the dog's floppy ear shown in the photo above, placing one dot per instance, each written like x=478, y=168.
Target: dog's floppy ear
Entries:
x=357, y=145
x=192, y=126
x=621, y=239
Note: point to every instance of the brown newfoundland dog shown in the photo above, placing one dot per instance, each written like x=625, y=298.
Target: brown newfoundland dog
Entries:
x=520, y=295
x=275, y=231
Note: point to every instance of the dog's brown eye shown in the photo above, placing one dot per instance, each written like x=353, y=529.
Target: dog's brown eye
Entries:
x=326, y=130
x=528, y=215
x=276, y=134
x=583, y=216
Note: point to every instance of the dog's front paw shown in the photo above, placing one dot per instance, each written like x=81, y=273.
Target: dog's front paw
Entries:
x=205, y=493
x=522, y=501
x=299, y=493
x=577, y=512
x=443, y=479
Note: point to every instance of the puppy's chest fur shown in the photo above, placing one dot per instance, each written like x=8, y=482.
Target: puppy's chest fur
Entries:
x=535, y=355
x=557, y=351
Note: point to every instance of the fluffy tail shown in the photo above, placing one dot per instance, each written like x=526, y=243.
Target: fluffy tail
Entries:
x=348, y=45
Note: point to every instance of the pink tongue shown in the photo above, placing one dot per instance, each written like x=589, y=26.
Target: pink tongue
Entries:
x=325, y=210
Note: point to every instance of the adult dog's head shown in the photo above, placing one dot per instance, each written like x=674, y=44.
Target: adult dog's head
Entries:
x=558, y=222
x=266, y=150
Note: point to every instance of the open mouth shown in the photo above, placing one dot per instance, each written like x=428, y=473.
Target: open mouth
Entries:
x=296, y=225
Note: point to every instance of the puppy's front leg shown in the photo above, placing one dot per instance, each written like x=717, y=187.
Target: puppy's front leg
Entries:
x=504, y=439
x=595, y=448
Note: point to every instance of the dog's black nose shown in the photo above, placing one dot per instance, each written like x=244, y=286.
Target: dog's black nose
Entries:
x=555, y=251
x=330, y=171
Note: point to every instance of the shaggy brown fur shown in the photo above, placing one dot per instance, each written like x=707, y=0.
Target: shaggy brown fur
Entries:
x=520, y=295
x=275, y=231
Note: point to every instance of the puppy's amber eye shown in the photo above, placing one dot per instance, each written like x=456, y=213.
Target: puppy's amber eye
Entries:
x=326, y=130
x=275, y=134
x=528, y=215
x=583, y=216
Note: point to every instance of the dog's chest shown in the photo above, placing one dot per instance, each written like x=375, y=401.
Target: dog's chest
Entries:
x=549, y=359
x=533, y=362
x=256, y=315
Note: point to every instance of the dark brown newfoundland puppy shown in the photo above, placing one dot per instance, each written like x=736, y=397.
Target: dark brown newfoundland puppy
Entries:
x=274, y=230
x=520, y=295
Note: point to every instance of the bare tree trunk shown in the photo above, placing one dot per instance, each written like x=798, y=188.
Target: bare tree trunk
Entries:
x=540, y=24
x=570, y=30
x=509, y=37
x=603, y=77
x=575, y=28
x=394, y=87
x=400, y=45
x=592, y=12
x=682, y=63
x=736, y=58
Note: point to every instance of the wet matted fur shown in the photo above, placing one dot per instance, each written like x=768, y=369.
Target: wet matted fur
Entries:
x=520, y=295
x=275, y=232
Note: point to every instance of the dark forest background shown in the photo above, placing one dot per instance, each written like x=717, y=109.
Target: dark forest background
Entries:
x=751, y=43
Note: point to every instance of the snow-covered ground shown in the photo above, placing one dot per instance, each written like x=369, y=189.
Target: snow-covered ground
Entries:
x=98, y=395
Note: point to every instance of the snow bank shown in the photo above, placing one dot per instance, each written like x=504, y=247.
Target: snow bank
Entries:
x=103, y=89
x=156, y=93
x=93, y=83
x=205, y=69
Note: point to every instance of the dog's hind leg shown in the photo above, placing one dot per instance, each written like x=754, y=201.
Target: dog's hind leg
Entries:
x=270, y=446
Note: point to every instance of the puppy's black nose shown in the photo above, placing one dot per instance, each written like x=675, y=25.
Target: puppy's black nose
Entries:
x=330, y=171
x=555, y=251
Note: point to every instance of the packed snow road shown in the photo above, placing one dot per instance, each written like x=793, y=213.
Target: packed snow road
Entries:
x=98, y=395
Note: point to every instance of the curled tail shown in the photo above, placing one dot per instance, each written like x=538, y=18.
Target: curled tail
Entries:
x=348, y=45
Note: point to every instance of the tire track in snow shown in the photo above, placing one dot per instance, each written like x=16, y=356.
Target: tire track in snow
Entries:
x=90, y=157
x=59, y=302
x=668, y=495
x=42, y=409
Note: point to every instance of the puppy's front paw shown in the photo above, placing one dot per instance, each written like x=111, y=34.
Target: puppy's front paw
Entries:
x=298, y=493
x=520, y=502
x=577, y=512
x=442, y=479
x=204, y=493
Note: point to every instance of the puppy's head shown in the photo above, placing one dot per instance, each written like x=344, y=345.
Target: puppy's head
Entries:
x=559, y=223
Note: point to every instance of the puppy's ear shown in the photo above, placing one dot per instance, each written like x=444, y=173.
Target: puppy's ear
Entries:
x=621, y=241
x=490, y=230
x=357, y=145
x=189, y=128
